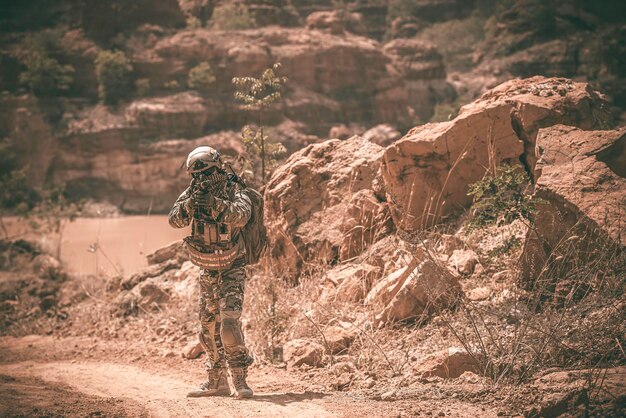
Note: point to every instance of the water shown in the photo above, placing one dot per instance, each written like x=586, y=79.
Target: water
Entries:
x=122, y=242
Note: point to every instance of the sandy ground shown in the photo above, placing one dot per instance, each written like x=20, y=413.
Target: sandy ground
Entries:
x=80, y=376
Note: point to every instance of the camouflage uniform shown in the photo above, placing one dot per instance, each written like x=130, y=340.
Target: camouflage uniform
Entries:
x=221, y=292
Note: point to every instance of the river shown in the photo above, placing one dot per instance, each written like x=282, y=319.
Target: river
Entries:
x=105, y=246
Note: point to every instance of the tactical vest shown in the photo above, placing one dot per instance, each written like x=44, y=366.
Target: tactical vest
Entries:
x=212, y=245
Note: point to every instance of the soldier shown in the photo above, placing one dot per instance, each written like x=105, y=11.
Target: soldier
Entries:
x=217, y=209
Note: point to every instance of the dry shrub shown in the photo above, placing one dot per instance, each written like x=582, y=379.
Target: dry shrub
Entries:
x=573, y=320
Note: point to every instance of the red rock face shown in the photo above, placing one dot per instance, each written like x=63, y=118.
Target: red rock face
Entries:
x=581, y=217
x=427, y=173
x=308, y=202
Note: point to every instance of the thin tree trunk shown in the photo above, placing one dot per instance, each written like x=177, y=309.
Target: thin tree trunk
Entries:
x=4, y=228
x=262, y=146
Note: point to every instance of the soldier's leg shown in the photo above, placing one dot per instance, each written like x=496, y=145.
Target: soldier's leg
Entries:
x=209, y=305
x=231, y=304
x=209, y=335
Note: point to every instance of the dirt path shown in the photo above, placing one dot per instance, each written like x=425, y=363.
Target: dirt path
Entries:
x=164, y=396
x=40, y=376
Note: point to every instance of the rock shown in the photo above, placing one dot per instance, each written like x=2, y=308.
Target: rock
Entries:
x=414, y=292
x=150, y=294
x=173, y=251
x=421, y=67
x=146, y=296
x=382, y=135
x=150, y=271
x=123, y=175
x=479, y=294
x=405, y=27
x=416, y=59
x=307, y=200
x=501, y=276
x=449, y=244
x=303, y=352
x=449, y=364
x=353, y=281
x=427, y=173
x=180, y=115
x=336, y=22
x=366, y=221
x=193, y=350
x=581, y=188
x=463, y=261
x=277, y=13
x=339, y=338
x=47, y=267
x=343, y=131
x=565, y=392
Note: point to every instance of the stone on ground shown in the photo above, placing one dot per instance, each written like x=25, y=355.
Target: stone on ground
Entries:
x=303, y=352
x=449, y=364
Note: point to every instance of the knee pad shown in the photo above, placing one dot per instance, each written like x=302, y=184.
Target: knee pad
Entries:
x=231, y=332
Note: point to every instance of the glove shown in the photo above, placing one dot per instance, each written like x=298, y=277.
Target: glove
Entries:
x=201, y=200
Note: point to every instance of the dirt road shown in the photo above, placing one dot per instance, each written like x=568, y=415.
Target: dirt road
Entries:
x=43, y=376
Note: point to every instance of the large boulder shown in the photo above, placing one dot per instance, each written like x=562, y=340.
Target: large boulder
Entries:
x=301, y=352
x=581, y=194
x=173, y=251
x=427, y=173
x=414, y=292
x=307, y=201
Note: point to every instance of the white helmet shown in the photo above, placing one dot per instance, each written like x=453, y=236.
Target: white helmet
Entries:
x=203, y=158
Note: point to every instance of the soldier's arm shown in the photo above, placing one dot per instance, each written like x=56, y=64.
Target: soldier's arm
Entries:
x=180, y=215
x=236, y=212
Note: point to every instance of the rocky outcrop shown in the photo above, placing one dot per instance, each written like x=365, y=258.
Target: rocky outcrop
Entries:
x=414, y=292
x=122, y=154
x=173, y=251
x=581, y=214
x=307, y=202
x=336, y=22
x=428, y=171
x=339, y=77
x=421, y=67
x=125, y=156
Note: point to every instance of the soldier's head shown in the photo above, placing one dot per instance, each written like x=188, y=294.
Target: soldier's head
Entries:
x=204, y=161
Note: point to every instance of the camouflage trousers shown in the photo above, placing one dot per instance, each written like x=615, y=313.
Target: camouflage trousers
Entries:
x=220, y=303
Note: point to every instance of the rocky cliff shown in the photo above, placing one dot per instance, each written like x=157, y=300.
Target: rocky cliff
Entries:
x=351, y=66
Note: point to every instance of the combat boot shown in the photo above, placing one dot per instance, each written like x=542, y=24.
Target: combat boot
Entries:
x=216, y=385
x=241, y=388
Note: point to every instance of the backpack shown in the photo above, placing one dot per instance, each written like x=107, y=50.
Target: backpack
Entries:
x=254, y=233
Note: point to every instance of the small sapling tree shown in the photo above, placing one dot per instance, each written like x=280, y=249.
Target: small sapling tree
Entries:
x=258, y=94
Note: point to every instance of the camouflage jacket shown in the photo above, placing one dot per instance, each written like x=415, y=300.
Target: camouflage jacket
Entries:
x=233, y=208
